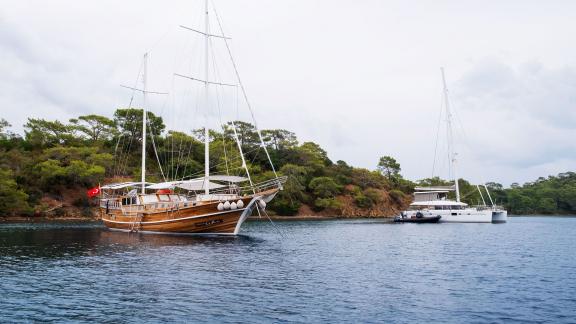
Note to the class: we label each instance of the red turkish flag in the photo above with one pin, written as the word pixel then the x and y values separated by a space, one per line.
pixel 93 192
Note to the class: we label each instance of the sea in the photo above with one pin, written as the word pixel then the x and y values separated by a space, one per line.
pixel 335 271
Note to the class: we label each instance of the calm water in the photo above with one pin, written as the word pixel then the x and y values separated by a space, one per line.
pixel 329 271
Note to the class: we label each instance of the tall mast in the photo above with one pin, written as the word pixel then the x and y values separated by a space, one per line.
pixel 144 117
pixel 451 153
pixel 206 132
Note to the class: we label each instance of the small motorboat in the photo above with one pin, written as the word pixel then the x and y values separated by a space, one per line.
pixel 419 218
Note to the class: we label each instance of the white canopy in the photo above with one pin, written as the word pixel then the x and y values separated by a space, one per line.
pixel 115 186
pixel 198 185
pixel 225 178
pixel 193 184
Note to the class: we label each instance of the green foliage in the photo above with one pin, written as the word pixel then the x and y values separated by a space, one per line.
pixel 13 200
pixel 4 125
pixel 279 139
pixel 129 122
pixel 362 201
pixel 389 167
pixel 42 133
pixel 368 179
pixel 331 204
pixel 397 196
pixel 55 155
pixel 324 187
pixel 374 195
pixel 96 128
pixel 552 195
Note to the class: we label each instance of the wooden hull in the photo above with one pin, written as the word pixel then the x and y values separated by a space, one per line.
pixel 224 223
pixel 201 218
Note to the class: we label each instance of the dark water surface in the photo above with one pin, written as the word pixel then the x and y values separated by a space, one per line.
pixel 329 271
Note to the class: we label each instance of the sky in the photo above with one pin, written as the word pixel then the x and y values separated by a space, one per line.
pixel 360 78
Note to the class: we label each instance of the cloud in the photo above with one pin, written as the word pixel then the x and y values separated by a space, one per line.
pixel 521 116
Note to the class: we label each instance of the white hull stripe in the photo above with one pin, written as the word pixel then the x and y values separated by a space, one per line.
pixel 174 220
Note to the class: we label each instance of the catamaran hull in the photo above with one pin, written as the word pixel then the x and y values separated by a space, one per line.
pixel 499 216
pixel 484 216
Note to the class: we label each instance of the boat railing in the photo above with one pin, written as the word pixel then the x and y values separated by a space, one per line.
pixel 256 187
pixel 111 203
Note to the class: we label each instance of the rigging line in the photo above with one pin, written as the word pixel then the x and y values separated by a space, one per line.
pixel 202 171
pixel 171 99
pixel 282 236
pixel 154 146
pixel 219 107
pixel 223 130
pixel 129 106
pixel 187 160
pixel 179 157
pixel 203 33
pixel 437 135
pixel 204 81
pixel 244 91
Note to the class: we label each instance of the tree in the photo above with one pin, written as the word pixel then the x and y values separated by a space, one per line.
pixel 130 122
pixel 95 127
pixel 3 126
pixel 13 200
pixel 279 139
pixel 247 135
pixel 389 167
pixel 43 133
pixel 324 187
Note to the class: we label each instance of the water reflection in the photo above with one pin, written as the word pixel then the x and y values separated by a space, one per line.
pixel 67 239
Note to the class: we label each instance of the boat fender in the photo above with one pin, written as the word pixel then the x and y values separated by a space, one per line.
pixel 220 206
pixel 419 215
pixel 233 206
pixel 240 204
pixel 262 203
pixel 227 205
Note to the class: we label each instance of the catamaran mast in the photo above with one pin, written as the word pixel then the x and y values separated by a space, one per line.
pixel 144 117
pixel 451 153
pixel 206 132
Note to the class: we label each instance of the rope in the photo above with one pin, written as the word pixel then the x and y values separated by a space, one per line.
pixel 244 91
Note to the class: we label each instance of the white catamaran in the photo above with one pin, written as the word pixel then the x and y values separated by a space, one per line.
pixel 434 201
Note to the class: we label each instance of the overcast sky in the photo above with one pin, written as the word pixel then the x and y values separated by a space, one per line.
pixel 361 78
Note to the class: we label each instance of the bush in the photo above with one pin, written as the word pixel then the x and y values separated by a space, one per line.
pixel 328 203
pixel 363 201
pixel 285 206
pixel 374 195
pixel 397 196
pixel 324 187
pixel 13 200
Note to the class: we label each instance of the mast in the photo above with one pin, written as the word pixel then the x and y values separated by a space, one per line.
pixel 206 132
pixel 451 153
pixel 144 117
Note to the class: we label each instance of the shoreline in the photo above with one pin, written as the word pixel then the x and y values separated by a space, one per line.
pixel 34 219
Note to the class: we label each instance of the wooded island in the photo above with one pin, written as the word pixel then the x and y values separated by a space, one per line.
pixel 46 171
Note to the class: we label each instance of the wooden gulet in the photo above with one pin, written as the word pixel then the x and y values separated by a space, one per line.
pixel 212 204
